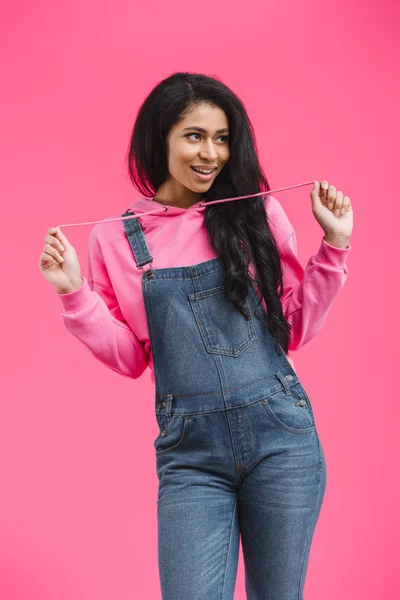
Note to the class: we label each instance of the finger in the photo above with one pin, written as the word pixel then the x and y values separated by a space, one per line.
pixel 56 231
pixel 315 192
pixel 331 196
pixel 46 260
pixel 53 241
pixel 347 203
pixel 346 206
pixel 339 202
pixel 53 252
pixel 323 189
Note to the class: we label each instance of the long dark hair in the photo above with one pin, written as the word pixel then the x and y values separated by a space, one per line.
pixel 239 230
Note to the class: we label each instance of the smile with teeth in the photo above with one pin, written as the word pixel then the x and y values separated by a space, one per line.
pixel 203 171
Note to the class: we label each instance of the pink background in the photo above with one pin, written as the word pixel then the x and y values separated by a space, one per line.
pixel 320 83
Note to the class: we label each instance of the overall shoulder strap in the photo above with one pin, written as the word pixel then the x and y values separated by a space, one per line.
pixel 137 240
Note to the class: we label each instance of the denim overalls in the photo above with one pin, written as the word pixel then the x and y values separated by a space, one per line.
pixel 238 453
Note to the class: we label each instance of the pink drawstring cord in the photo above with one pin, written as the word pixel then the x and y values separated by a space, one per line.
pixel 200 205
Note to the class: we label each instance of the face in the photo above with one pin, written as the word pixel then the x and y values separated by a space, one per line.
pixel 200 139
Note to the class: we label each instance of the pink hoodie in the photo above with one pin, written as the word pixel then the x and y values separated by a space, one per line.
pixel 107 312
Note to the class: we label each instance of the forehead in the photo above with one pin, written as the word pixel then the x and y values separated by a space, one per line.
pixel 205 115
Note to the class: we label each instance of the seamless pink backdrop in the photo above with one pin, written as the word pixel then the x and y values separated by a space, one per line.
pixel 78 500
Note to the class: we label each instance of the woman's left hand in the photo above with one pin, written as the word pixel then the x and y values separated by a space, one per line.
pixel 333 211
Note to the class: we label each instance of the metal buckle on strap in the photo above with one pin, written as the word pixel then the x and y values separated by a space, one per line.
pixel 149 272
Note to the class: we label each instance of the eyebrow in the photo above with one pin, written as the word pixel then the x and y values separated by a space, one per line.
pixel 205 131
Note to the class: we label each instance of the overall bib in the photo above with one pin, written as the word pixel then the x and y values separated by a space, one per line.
pixel 238 453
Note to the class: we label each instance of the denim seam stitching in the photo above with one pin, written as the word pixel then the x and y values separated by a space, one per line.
pixel 172 277
pixel 308 538
pixel 201 320
pixel 178 443
pixel 248 438
pixel 304 431
pixel 229 549
pixel 216 410
pixel 275 389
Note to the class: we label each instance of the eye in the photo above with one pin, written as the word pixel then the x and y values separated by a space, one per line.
pixel 189 134
pixel 224 137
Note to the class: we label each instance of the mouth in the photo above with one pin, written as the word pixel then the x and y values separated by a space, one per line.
pixel 204 174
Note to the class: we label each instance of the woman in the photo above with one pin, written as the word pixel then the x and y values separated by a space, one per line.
pixel 212 299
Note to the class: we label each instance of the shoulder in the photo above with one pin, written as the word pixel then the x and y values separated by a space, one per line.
pixel 111 229
pixel 279 222
pixel 108 231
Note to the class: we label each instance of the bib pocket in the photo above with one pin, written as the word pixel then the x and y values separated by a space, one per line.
pixel 292 412
pixel 223 329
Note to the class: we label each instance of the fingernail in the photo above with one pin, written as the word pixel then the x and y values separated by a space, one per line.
pixel 337 211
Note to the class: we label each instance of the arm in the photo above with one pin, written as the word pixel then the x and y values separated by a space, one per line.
pixel 92 314
pixel 309 293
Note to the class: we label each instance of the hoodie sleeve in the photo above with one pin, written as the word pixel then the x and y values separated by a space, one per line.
pixel 92 314
pixel 310 292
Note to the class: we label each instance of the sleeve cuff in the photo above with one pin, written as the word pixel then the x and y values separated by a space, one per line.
pixel 78 299
pixel 332 255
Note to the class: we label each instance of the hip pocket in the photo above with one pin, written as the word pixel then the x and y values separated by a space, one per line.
pixel 292 412
pixel 173 432
pixel 223 329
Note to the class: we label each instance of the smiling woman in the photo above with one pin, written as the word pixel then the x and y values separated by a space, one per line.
pixel 205 168
pixel 204 151
pixel 174 289
pixel 204 125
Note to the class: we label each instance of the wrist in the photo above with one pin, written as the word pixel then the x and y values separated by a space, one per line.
pixel 72 287
pixel 339 241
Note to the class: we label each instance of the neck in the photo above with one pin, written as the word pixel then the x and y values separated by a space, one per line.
pixel 173 193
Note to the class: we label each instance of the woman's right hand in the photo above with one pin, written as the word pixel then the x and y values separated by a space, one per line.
pixel 59 262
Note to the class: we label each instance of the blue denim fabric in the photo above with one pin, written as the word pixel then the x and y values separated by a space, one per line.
pixel 238 454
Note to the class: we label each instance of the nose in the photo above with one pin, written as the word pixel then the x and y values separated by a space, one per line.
pixel 208 150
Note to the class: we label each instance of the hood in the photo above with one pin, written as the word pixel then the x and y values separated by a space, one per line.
pixel 146 204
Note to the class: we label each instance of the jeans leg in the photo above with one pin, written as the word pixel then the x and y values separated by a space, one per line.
pixel 280 502
pixel 198 541
pixel 198 521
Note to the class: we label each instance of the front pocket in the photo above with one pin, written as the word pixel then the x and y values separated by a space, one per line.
pixel 291 412
pixel 223 329
pixel 173 432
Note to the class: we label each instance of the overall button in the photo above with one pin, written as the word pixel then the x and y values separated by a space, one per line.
pixel 163 433
pixel 289 377
pixel 149 274
pixel 302 402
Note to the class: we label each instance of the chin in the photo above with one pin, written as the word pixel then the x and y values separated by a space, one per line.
pixel 200 188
